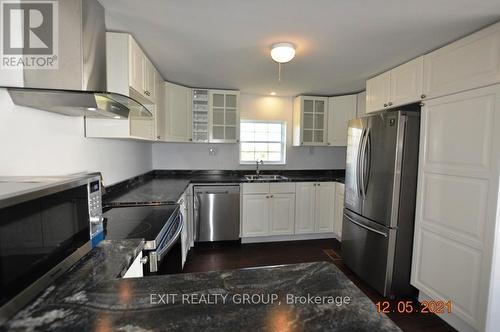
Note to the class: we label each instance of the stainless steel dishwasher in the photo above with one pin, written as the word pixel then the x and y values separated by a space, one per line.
pixel 216 213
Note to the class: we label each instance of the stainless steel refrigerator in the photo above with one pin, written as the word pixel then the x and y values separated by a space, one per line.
pixel 379 207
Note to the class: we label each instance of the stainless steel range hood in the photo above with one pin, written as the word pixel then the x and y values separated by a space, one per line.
pixel 78 85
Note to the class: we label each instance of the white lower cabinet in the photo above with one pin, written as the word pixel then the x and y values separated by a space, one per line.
pixel 314 207
pixel 282 214
pixel 325 198
pixel 303 210
pixel 304 207
pixel 255 221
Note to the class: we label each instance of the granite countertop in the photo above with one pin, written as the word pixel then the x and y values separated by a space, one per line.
pixel 91 296
pixel 166 187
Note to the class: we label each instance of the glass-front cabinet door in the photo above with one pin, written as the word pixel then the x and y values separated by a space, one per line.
pixel 314 121
pixel 224 116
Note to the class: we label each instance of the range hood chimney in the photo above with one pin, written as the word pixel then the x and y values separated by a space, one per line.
pixel 77 85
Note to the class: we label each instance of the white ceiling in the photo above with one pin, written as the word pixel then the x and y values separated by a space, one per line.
pixel 340 43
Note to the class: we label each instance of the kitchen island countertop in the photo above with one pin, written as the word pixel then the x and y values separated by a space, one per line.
pixel 92 296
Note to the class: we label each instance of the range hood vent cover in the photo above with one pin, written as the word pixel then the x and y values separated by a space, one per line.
pixel 80 103
pixel 77 87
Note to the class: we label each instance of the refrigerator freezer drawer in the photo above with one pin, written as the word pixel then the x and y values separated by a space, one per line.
pixel 366 249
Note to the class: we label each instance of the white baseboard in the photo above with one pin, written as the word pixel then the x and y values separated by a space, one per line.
pixel 297 237
pixel 451 318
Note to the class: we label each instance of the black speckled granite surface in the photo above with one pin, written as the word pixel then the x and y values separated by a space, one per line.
pixel 166 187
pixel 90 297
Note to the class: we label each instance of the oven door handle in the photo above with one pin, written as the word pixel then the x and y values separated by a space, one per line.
pixel 163 251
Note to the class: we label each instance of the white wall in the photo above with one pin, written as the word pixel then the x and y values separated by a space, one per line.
pixel 35 142
pixel 253 107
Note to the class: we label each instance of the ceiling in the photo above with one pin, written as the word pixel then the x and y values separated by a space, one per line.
pixel 340 43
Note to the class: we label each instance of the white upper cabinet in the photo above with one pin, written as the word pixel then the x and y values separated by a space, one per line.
pixel 224 116
pixel 310 120
pixel 361 104
pixel 406 82
pixel 149 77
pixel 135 61
pixel 129 71
pixel 160 116
pixel 399 86
pixel 468 63
pixel 178 113
pixel 378 90
pixel 340 110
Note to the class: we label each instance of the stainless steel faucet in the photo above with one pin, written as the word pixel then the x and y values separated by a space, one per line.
pixel 257 162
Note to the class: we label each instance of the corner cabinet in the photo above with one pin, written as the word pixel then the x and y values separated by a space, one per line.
pixel 223 116
pixel 399 86
pixel 341 109
pixel 310 121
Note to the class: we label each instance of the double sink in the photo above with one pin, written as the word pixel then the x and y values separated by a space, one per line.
pixel 264 177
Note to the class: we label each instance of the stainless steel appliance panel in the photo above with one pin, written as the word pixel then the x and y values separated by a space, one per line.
pixel 367 248
pixel 217 213
pixel 355 133
pixel 380 166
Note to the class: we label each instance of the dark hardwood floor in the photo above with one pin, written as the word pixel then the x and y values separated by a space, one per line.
pixel 224 256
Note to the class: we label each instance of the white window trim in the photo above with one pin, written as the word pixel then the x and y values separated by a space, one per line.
pixel 283 143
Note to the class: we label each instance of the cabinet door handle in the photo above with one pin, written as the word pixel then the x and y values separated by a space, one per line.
pixel 390 103
pixel 385 104
pixel 319 184
pixel 272 196
pixel 423 96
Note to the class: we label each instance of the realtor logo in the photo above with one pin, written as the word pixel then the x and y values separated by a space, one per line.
pixel 29 36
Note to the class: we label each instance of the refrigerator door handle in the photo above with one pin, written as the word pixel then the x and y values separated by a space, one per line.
pixel 362 162
pixel 359 165
pixel 365 227
pixel 367 161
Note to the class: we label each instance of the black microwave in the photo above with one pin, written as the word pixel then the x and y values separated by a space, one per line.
pixel 46 225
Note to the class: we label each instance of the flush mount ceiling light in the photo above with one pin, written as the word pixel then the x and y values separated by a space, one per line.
pixel 282 53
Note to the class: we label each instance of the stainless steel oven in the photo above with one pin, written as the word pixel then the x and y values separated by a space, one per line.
pixel 46 225
pixel 160 225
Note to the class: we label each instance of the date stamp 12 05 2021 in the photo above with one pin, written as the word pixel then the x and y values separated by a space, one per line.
pixel 407 307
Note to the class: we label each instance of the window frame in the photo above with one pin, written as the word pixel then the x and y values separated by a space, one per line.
pixel 283 142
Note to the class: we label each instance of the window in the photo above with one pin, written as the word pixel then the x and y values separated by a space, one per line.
pixel 262 140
